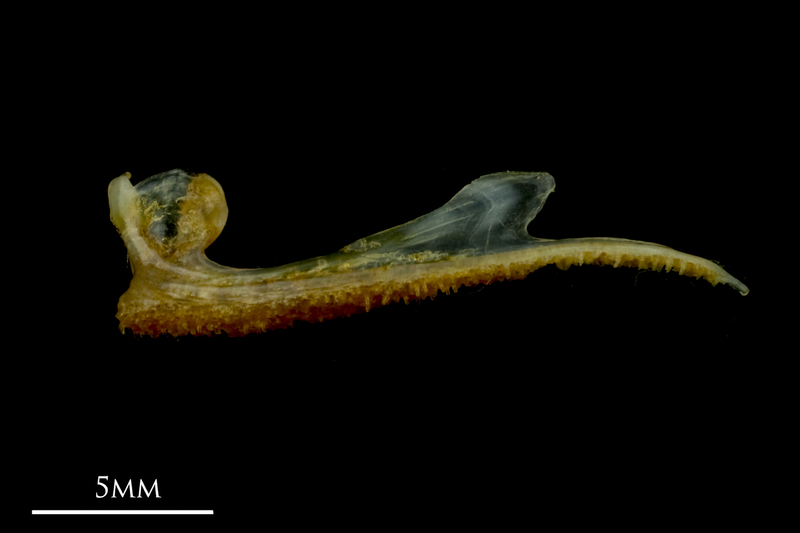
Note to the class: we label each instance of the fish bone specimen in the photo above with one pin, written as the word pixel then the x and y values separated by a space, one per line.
pixel 480 236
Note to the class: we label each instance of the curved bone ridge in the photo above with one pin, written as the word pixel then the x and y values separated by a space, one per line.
pixel 479 236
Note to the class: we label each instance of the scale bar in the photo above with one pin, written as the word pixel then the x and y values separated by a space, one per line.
pixel 122 512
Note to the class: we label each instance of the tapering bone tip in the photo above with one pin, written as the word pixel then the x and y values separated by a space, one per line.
pixel 479 236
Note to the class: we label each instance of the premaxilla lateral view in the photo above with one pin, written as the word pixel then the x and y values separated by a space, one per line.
pixel 480 236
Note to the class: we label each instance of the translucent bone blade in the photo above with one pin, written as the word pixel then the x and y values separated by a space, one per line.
pixel 479 236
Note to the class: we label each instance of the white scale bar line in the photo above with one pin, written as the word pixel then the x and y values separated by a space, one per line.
pixel 122 512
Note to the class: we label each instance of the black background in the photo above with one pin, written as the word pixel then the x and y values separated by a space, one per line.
pixel 579 394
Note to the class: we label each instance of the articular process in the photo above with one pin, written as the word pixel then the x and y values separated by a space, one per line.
pixel 479 236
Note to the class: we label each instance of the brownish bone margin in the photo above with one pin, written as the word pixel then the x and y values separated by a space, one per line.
pixel 237 319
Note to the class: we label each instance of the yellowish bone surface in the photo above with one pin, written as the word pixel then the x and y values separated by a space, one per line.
pixel 168 220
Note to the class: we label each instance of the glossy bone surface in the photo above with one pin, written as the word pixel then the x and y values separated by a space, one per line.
pixel 479 236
